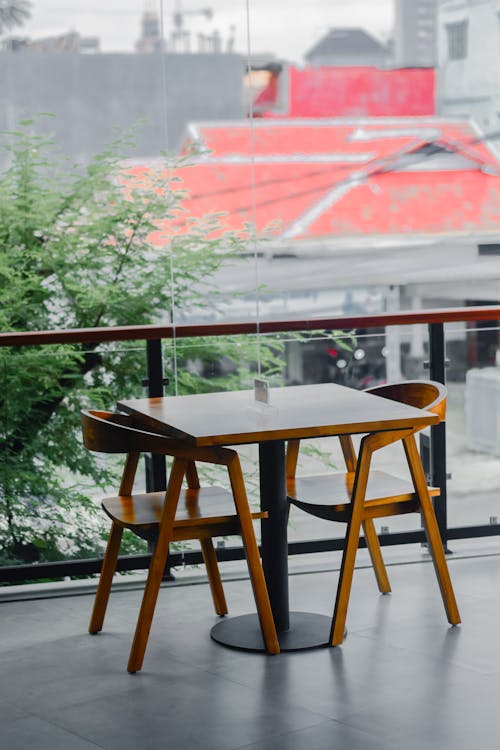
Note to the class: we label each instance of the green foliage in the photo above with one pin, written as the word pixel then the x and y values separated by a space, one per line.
pixel 75 252
pixel 13 13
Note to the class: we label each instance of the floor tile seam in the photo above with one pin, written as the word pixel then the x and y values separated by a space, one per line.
pixel 62 728
pixel 463 668
pixel 19 656
pixel 275 735
pixel 82 634
pixel 183 660
pixel 227 678
pixel 297 703
pixel 206 671
pixel 471 597
pixel 394 736
pixel 457 665
pixel 23 666
pixel 394 740
pixel 25 713
pixel 251 688
pixel 118 693
pixel 418 652
pixel 382 642
pixel 317 719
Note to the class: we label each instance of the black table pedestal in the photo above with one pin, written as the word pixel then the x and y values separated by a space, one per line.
pixel 307 630
pixel 296 630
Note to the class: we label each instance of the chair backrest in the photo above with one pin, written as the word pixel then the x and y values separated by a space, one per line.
pixel 107 432
pixel 422 394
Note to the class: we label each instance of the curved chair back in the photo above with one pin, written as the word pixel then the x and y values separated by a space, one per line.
pixel 107 432
pixel 422 394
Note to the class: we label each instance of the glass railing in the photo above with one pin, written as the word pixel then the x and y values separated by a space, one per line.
pixel 473 438
pixel 50 489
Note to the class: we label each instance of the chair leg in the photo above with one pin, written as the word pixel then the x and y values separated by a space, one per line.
pixel 373 545
pixel 106 579
pixel 213 573
pixel 350 548
pixel 253 559
pixel 156 567
pixel 432 531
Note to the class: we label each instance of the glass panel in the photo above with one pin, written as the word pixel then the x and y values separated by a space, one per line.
pixel 111 234
pixel 50 485
pixel 261 168
pixel 473 442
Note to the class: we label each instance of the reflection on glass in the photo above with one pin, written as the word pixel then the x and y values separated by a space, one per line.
pixel 295 160
pixel 473 439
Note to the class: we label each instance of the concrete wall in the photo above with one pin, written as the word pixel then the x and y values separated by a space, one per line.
pixel 92 95
pixel 415 33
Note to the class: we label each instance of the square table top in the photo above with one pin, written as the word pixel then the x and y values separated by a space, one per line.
pixel 235 418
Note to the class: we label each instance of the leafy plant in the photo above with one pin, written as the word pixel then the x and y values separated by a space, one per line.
pixel 13 13
pixel 76 252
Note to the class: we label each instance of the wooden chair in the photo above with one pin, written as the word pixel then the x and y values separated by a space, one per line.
pixel 173 515
pixel 357 496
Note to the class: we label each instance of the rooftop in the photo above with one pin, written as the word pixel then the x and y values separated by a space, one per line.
pixel 347 91
pixel 347 42
pixel 309 179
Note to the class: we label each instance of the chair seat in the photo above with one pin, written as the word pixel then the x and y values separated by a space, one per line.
pixel 142 512
pixel 327 495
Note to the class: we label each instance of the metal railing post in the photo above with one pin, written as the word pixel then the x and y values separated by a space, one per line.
pixel 437 371
pixel 156 468
pixel 156 473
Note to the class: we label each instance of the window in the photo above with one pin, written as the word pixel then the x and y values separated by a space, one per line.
pixel 457 40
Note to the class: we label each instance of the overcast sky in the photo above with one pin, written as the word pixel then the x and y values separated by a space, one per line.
pixel 288 28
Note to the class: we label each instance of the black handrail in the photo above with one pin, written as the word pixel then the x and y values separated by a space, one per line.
pixel 345 323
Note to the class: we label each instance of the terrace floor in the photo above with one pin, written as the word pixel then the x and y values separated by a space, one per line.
pixel 402 679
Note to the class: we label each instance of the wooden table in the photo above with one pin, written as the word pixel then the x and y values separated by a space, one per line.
pixel 234 418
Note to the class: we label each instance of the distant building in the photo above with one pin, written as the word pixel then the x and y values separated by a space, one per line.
pixel 70 41
pixel 469 59
pixel 344 92
pixel 415 33
pixel 93 96
pixel 180 38
pixel 151 39
pixel 348 46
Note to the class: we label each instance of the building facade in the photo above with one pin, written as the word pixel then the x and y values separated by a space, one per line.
pixel 332 91
pixel 468 83
pixel 95 96
pixel 415 42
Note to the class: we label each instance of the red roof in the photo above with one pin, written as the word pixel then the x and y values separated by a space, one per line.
pixel 388 204
pixel 349 92
pixel 324 178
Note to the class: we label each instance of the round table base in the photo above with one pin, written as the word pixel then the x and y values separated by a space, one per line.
pixel 307 630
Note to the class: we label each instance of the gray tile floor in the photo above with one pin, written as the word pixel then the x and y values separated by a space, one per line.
pixel 402 679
